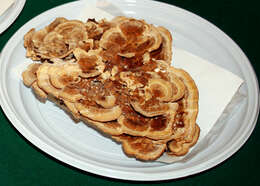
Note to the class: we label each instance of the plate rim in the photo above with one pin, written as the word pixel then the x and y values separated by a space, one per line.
pixel 17 9
pixel 120 174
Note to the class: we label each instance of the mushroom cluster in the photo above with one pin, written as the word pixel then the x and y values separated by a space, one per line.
pixel 116 76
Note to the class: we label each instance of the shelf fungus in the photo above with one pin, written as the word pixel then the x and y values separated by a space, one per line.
pixel 116 77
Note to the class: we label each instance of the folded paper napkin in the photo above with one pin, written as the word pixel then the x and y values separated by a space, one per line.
pixel 211 80
pixel 5 4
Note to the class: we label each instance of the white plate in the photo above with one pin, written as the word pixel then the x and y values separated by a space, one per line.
pixel 51 130
pixel 9 16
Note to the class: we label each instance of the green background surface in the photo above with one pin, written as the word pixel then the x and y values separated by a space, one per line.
pixel 21 163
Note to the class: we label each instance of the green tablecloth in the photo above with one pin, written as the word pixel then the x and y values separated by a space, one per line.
pixel 23 164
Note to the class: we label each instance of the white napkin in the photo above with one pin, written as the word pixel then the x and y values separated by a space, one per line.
pixel 98 9
pixel 216 86
pixel 93 12
pixel 5 4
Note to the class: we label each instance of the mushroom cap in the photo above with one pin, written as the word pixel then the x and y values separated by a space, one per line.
pixel 130 36
pixel 99 114
pixel 29 75
pixel 140 147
